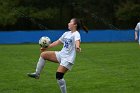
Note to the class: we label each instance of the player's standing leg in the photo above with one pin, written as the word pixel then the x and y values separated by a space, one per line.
pixel 60 80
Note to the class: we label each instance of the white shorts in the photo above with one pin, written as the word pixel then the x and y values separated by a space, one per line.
pixel 63 61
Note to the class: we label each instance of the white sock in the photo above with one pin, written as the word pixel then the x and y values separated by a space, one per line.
pixel 40 65
pixel 62 85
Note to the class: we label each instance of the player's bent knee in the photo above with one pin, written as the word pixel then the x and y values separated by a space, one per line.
pixel 59 75
pixel 43 55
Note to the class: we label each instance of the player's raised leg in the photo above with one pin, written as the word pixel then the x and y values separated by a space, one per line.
pixel 47 55
pixel 39 67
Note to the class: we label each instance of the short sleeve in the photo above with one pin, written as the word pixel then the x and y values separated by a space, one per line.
pixel 77 36
pixel 137 28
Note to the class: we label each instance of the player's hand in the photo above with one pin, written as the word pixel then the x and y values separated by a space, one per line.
pixel 78 49
pixel 42 49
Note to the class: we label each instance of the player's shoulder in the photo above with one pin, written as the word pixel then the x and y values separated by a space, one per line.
pixel 77 33
pixel 65 33
pixel 69 33
pixel 138 23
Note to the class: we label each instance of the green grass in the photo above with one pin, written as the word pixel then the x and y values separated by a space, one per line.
pixel 99 68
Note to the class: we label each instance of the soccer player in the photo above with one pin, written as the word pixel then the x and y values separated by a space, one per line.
pixel 137 31
pixel 66 57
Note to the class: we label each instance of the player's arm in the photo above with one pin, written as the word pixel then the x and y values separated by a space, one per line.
pixel 58 42
pixel 136 35
pixel 136 31
pixel 77 43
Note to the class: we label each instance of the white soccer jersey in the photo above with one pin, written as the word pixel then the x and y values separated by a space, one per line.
pixel 68 51
pixel 137 28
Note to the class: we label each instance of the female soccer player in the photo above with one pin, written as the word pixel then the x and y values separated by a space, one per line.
pixel 71 43
pixel 137 30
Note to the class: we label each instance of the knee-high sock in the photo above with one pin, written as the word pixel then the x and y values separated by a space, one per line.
pixel 62 85
pixel 40 65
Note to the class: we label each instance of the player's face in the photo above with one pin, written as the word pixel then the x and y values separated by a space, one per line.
pixel 72 25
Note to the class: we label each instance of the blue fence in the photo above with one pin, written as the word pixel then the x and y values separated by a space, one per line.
pixel 16 37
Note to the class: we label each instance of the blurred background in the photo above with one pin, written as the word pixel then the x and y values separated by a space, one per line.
pixel 109 61
pixel 55 14
pixel 107 20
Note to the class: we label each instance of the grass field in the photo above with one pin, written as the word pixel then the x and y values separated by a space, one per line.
pixel 99 68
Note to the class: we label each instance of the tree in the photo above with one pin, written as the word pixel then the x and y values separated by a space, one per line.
pixel 55 14
pixel 128 13
pixel 7 16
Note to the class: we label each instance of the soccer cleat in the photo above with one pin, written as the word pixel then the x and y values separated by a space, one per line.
pixel 33 75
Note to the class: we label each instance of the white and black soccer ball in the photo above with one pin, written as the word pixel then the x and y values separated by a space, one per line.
pixel 44 41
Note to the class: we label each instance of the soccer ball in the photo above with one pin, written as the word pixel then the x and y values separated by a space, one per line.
pixel 44 41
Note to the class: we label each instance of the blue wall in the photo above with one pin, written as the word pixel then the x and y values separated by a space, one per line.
pixel 108 36
pixel 93 36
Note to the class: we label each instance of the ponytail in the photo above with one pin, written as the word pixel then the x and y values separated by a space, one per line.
pixel 83 26
pixel 80 24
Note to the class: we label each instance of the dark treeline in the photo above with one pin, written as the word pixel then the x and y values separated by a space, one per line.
pixel 55 14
